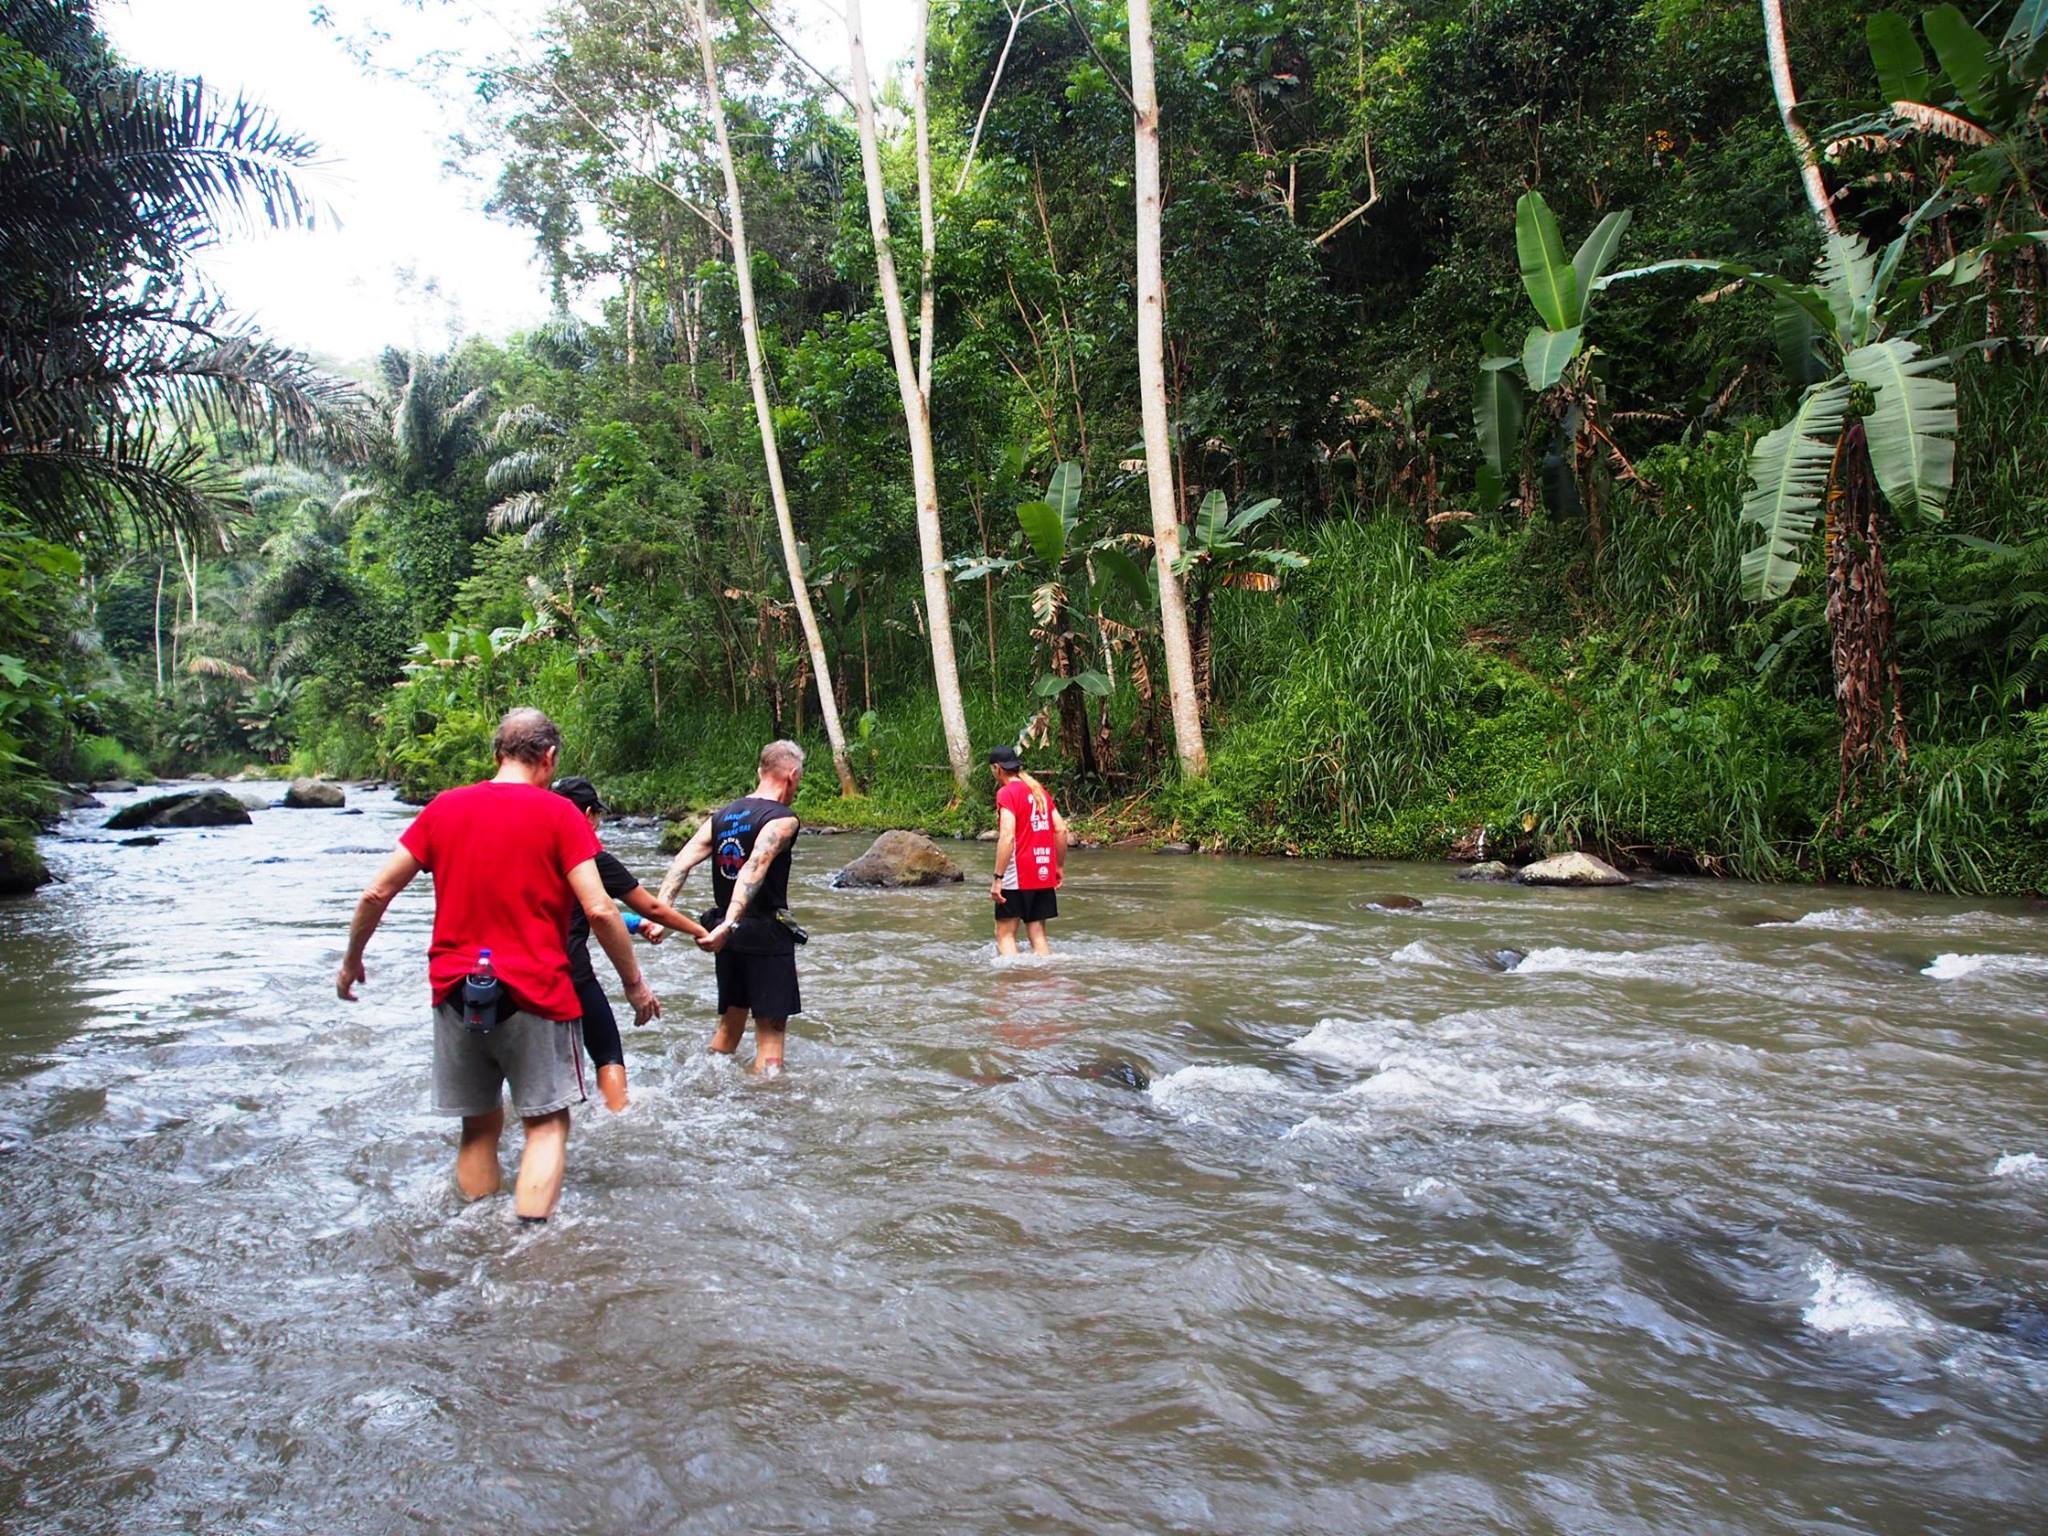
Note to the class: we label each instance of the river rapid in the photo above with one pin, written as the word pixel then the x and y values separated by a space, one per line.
pixel 1719 1209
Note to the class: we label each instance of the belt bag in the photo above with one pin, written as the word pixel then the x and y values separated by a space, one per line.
pixel 483 1004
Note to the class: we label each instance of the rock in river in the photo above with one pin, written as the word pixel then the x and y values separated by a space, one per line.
pixel 1492 869
pixel 1394 904
pixel 186 808
pixel 313 795
pixel 898 859
pixel 1571 869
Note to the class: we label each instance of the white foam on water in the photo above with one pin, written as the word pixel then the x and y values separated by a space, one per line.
pixel 1847 1303
pixel 1583 1115
pixel 1351 1042
pixel 1837 919
pixel 2021 1165
pixel 1952 967
pixel 1622 963
pixel 1416 952
pixel 1199 1095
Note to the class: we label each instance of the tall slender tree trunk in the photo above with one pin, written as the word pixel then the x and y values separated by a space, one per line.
pixel 916 415
pixel 159 629
pixel 1788 104
pixel 927 231
pixel 757 376
pixel 1173 618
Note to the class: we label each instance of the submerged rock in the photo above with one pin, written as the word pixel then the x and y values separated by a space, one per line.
pixel 141 842
pixel 899 859
pixel 1492 869
pixel 1571 869
pixel 1394 904
pixel 185 808
pixel 114 786
pixel 314 795
pixel 1175 848
pixel 1503 959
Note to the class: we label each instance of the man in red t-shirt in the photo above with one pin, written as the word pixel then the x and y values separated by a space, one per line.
pixel 1031 845
pixel 511 862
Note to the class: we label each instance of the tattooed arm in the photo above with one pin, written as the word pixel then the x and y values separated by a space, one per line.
pixel 773 839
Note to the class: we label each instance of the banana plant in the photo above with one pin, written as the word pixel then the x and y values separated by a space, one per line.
pixel 1220 553
pixel 1851 336
pixel 1074 581
pixel 1554 364
pixel 1978 102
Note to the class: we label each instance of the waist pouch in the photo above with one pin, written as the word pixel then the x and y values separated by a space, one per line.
pixel 484 1004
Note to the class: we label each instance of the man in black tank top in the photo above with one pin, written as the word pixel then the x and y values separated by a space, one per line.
pixel 749 843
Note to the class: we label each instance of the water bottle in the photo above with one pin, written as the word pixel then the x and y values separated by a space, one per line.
pixel 481 994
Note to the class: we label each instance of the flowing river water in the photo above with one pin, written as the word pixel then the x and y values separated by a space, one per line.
pixel 1720 1210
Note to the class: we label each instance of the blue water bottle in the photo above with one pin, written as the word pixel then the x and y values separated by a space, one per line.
pixel 481 994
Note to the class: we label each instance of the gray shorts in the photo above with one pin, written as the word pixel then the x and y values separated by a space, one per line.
pixel 541 1058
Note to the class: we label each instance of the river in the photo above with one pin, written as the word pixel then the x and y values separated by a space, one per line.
pixel 1721 1210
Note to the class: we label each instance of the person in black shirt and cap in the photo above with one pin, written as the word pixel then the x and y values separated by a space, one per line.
pixel 600 1027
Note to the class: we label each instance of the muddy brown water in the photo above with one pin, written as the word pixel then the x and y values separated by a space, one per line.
pixel 1721 1210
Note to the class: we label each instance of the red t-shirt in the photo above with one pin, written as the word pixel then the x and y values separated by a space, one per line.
pixel 1035 865
pixel 500 856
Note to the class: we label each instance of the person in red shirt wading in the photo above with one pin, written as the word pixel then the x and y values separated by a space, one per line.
pixel 511 861
pixel 1031 845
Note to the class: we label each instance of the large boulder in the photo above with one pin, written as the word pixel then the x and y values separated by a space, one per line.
pixel 1570 869
pixel 186 808
pixel 899 859
pixel 314 795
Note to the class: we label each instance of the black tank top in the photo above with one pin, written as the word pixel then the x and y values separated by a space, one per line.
pixel 734 830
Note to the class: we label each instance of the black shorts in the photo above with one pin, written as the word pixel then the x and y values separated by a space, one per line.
pixel 600 1025
pixel 1031 906
pixel 764 985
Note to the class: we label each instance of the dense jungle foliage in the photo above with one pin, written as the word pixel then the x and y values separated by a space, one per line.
pixel 1443 583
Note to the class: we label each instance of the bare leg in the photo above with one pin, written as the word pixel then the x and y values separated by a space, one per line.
pixel 476 1160
pixel 539 1189
pixel 1006 935
pixel 731 1025
pixel 611 1083
pixel 1040 945
pixel 768 1035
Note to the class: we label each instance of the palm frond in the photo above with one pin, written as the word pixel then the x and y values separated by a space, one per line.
pixel 526 469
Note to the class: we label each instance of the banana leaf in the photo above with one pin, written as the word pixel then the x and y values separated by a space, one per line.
pixel 1497 413
pixel 1552 285
pixel 1790 470
pixel 1912 425
pixel 1546 355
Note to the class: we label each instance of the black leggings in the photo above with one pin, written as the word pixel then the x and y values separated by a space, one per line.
pixel 600 1025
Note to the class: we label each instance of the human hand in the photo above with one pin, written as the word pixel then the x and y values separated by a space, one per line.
pixel 653 933
pixel 995 890
pixel 346 978
pixel 712 942
pixel 646 1005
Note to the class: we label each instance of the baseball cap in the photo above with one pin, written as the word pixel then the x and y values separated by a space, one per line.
pixel 579 792
pixel 1006 757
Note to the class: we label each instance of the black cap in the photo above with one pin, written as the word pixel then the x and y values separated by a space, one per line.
pixel 579 792
pixel 1006 757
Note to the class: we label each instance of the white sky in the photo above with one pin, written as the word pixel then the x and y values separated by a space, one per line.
pixel 414 261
